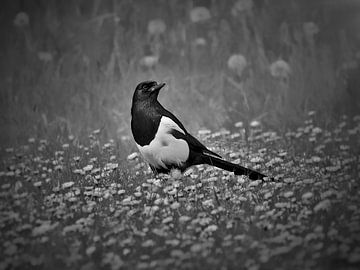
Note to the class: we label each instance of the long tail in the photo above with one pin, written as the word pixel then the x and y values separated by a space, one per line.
pixel 231 167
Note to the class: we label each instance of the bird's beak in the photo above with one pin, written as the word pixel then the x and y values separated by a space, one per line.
pixel 157 87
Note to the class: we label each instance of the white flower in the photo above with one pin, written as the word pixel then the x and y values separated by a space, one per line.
pixel 280 69
pixel 310 29
pixel 311 113
pixel 307 196
pixel 111 166
pixel 45 227
pixel 21 19
pixel 237 63
pixel 206 131
pixel 132 156
pixel 156 27
pixel 175 174
pixel 113 260
pixel 88 168
pixel 90 250
pixel 199 14
pixel 316 130
pixel 167 220
pixel 315 159
pixel 211 228
pixel 67 184
pixel 149 61
pixel 254 123
pixel 241 5
pixel 65 146
pixel 45 56
pixel 175 205
pixel 255 183
pixel 200 41
pixel 323 205
pixel 184 219
pixel 256 160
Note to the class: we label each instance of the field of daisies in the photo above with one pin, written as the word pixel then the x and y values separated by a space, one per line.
pixel 73 198
pixel 81 205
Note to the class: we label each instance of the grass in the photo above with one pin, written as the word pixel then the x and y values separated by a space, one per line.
pixel 71 68
pixel 72 198
pixel 82 205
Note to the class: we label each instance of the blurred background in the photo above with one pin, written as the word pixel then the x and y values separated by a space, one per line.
pixel 69 67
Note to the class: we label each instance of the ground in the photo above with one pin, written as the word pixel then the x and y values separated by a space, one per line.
pixel 87 206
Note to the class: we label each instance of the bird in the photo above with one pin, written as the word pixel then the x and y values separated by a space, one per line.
pixel 164 142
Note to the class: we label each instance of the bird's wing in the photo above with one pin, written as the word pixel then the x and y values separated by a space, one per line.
pixel 193 143
pixel 165 112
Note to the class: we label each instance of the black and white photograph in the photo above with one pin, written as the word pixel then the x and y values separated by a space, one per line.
pixel 180 134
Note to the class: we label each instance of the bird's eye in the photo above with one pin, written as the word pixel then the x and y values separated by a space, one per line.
pixel 148 87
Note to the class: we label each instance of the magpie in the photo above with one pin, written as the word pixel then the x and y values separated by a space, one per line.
pixel 163 140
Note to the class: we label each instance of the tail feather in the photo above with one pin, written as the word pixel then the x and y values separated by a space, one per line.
pixel 231 167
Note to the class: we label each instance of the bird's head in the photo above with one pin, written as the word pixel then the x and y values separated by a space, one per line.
pixel 147 90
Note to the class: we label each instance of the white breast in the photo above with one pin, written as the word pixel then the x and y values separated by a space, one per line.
pixel 165 148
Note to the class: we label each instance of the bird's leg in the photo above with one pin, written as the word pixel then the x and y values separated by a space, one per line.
pixel 156 174
pixel 153 169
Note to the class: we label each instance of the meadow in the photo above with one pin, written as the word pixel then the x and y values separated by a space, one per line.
pixel 272 86
pixel 82 206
